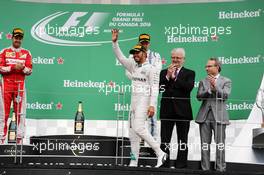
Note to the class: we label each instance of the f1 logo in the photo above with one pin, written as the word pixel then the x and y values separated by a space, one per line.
pixel 93 23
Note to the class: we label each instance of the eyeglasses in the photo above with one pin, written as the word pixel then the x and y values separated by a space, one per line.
pixel 178 58
pixel 209 66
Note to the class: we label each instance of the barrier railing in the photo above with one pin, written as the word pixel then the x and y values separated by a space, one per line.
pixel 237 134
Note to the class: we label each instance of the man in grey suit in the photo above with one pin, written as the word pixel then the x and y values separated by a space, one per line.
pixel 212 117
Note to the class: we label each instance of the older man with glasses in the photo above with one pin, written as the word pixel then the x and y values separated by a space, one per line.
pixel 212 117
pixel 176 83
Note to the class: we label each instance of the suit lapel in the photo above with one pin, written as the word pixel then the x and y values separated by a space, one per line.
pixel 219 81
pixel 207 83
pixel 181 72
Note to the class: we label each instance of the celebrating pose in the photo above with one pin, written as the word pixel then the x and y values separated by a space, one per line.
pixel 145 89
pixel 154 59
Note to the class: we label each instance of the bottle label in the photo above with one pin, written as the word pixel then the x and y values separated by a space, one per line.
pixel 12 135
pixel 79 126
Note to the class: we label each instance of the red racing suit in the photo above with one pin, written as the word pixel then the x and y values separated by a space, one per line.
pixel 12 84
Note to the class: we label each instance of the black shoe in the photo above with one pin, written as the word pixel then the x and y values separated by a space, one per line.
pixel 166 164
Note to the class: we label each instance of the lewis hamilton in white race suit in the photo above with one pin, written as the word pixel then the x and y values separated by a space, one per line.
pixel 145 90
pixel 155 60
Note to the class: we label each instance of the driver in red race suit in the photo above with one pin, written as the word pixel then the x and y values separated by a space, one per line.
pixel 15 64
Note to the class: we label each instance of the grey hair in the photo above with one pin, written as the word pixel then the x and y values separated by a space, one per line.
pixel 217 63
pixel 179 50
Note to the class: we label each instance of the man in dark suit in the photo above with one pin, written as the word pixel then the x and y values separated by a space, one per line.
pixel 176 84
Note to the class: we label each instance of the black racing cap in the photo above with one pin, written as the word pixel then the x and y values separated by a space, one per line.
pixel 144 37
pixel 138 48
pixel 18 32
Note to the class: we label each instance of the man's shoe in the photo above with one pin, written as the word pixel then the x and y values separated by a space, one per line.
pixel 161 159
pixel 166 164
pixel 2 140
pixel 133 163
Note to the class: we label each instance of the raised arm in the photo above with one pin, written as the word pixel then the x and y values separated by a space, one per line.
pixel 127 63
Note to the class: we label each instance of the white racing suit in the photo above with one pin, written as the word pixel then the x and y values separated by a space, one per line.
pixel 154 59
pixel 145 89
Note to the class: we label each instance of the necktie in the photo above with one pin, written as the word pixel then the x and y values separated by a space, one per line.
pixel 176 74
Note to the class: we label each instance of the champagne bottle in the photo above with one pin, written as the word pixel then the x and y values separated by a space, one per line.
pixel 79 120
pixel 12 130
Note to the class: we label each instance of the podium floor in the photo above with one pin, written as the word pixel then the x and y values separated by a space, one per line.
pixel 118 170
pixel 98 161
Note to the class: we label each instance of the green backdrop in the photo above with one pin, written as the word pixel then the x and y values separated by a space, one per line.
pixel 231 31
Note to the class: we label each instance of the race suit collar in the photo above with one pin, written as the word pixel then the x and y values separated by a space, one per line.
pixel 16 49
pixel 143 64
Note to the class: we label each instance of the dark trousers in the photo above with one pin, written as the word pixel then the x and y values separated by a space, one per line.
pixel 182 133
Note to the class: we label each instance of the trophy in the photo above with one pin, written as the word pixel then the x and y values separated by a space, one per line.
pixel 258 133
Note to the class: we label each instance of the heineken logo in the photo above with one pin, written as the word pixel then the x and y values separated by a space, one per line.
pixel 40 106
pixel 45 106
pixel 241 59
pixel 122 107
pixel 83 84
pixel 74 29
pixel 239 106
pixel 45 60
pixel 239 14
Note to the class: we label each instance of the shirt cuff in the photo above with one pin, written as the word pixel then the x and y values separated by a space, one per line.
pixel 6 69
pixel 114 44
pixel 209 91
pixel 27 70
